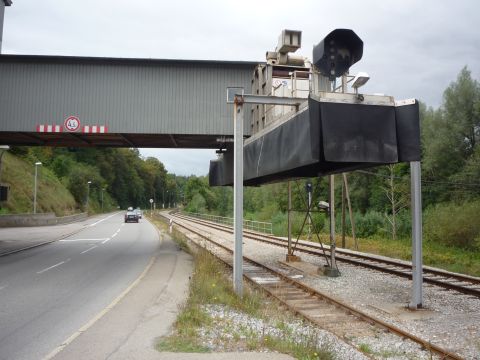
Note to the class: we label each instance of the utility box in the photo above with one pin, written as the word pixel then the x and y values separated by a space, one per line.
pixel 289 41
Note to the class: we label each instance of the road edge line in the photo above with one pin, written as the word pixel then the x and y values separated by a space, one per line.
pixel 101 314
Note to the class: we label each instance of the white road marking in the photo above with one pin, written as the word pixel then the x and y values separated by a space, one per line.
pixel 91 248
pixel 99 221
pixel 110 238
pixel 101 314
pixel 53 266
pixel 67 240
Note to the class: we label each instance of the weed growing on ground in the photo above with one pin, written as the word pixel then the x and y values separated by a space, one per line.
pixel 211 285
pixel 177 236
pixel 365 348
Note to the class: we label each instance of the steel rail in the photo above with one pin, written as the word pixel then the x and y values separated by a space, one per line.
pixel 404 272
pixel 445 354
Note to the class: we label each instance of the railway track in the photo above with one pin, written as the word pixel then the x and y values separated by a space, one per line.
pixel 283 284
pixel 452 281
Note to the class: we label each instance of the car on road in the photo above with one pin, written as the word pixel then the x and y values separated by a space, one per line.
pixel 138 212
pixel 131 216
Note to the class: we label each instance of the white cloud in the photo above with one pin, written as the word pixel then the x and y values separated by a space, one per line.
pixel 183 161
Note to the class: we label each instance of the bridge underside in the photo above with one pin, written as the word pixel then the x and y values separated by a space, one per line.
pixel 112 140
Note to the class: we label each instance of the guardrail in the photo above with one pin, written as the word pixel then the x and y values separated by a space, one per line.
pixel 259 226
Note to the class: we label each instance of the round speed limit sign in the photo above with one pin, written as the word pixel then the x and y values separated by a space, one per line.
pixel 72 123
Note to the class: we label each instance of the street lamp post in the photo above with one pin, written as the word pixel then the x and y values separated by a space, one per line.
pixel 88 194
pixel 37 164
pixel 103 189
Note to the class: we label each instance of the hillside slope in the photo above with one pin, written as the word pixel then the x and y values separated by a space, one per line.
pixel 52 195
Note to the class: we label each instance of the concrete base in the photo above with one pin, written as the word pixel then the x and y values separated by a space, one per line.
pixel 305 267
pixel 414 307
pixel 330 272
pixel 292 258
pixel 402 311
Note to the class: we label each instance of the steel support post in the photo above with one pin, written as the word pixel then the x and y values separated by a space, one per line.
pixel 332 221
pixel 416 198
pixel 343 214
pixel 290 257
pixel 289 219
pixel 332 270
pixel 350 212
pixel 35 191
pixel 88 195
pixel 238 198
pixel 238 118
pixel 309 236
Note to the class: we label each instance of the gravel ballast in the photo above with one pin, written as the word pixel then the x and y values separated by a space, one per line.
pixel 448 319
pixel 232 327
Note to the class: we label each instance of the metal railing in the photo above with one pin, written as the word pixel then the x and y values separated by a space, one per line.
pixel 259 226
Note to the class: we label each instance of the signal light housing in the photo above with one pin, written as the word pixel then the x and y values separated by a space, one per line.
pixel 337 52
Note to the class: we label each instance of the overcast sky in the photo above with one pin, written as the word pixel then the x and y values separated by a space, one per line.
pixel 411 48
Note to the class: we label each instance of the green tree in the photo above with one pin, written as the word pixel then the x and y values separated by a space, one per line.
pixel 450 138
pixel 462 110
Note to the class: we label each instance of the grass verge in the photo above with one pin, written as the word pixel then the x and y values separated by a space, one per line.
pixel 197 329
pixel 434 254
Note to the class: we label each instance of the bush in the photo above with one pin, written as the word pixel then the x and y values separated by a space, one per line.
pixel 370 224
pixel 279 224
pixel 404 224
pixel 454 224
pixel 197 204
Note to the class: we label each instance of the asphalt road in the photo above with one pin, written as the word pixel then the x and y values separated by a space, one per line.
pixel 47 293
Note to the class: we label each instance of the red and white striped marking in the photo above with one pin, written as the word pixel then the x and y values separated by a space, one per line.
pixel 49 128
pixel 90 129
